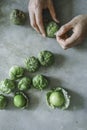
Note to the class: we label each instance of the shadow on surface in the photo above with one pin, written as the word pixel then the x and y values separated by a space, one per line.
pixel 58 63
pixel 77 101
pixel 34 101
pixel 2 16
pixel 10 105
pixel 82 46
pixel 64 9
pixel 27 23
pixel 59 60
pixel 54 82
pixel 32 104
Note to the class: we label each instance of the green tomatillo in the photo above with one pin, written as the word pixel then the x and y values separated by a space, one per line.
pixel 40 82
pixel 7 86
pixel 17 17
pixel 24 83
pixel 3 101
pixel 16 72
pixel 51 29
pixel 32 64
pixel 20 100
pixel 58 98
pixel 46 58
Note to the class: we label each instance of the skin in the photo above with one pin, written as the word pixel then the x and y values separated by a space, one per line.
pixel 78 24
pixel 79 27
pixel 56 99
pixel 35 13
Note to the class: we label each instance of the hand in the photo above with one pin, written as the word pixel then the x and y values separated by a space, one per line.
pixel 35 12
pixel 79 27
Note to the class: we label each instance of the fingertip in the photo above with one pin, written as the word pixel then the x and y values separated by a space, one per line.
pixel 58 38
pixel 65 48
pixel 44 35
pixel 58 34
pixel 56 20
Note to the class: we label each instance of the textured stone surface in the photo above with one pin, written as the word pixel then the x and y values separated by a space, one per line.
pixel 69 70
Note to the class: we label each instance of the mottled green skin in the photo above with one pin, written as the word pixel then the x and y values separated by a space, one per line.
pixel 7 86
pixel 17 17
pixel 16 72
pixel 3 101
pixel 32 64
pixel 20 100
pixel 58 97
pixel 24 83
pixel 46 58
pixel 51 29
pixel 40 82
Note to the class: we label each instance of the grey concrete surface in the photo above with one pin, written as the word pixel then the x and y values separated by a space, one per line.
pixel 69 70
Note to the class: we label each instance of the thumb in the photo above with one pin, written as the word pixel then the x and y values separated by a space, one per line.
pixel 64 29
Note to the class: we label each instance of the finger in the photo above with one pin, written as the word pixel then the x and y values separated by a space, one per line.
pixel 64 29
pixel 61 42
pixel 39 21
pixel 52 11
pixel 33 21
pixel 72 39
pixel 69 42
pixel 77 41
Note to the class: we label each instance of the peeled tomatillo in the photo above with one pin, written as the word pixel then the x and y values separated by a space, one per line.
pixel 56 99
pixel 20 100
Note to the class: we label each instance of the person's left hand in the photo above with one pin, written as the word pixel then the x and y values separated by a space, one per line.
pixel 79 27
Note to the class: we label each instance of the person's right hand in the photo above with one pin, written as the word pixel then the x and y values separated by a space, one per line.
pixel 79 27
pixel 35 12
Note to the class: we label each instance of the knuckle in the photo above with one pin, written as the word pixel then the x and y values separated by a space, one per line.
pixel 31 7
pixel 37 5
pixel 64 28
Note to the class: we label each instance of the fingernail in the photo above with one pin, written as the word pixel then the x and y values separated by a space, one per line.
pixel 57 20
